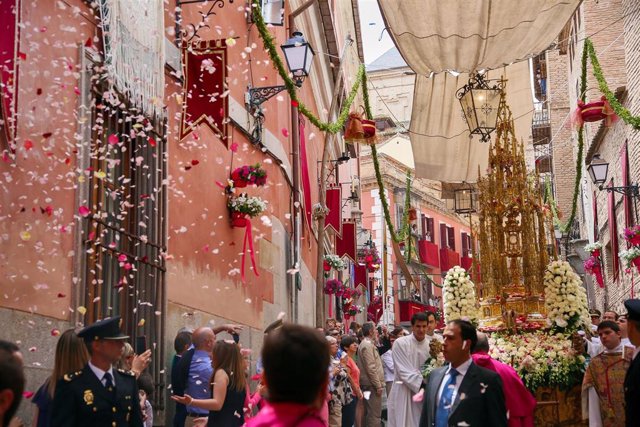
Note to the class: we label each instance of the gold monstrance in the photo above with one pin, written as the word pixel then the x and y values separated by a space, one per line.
pixel 511 232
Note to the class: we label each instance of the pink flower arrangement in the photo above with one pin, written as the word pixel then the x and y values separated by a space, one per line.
pixel 353 310
pixel 371 258
pixel 333 287
pixel 592 266
pixel 249 174
pixel 632 235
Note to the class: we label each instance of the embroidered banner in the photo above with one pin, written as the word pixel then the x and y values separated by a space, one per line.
pixel 346 244
pixel 334 204
pixel 205 93
pixel 9 49
pixel 360 275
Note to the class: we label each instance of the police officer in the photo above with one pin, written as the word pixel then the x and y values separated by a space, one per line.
pixel 99 395
pixel 632 379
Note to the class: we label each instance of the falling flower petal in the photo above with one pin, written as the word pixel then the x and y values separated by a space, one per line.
pixel 113 139
pixel 81 309
pixel 84 211
pixel 25 236
pixel 285 132
pixel 55 332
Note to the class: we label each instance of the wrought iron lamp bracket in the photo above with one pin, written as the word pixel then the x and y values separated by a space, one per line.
pixel 632 190
pixel 258 95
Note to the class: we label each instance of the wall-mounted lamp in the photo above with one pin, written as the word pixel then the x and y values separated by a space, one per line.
pixel 599 169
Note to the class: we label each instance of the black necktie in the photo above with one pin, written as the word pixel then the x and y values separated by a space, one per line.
pixel 108 382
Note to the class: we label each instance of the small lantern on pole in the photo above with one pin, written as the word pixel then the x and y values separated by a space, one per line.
pixel 464 199
pixel 480 101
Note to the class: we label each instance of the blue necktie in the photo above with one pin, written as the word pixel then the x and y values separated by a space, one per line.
pixel 445 402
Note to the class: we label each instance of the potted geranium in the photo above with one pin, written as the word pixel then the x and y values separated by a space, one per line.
pixel 243 206
pixel 631 256
pixel 632 235
pixel 594 248
pixel 248 174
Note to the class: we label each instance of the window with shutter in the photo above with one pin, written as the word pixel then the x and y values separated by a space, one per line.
pixel 465 244
pixel 443 236
pixel 423 225
pixel 431 231
pixel 451 237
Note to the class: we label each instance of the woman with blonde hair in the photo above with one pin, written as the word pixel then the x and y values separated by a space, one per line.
pixel 71 356
pixel 229 387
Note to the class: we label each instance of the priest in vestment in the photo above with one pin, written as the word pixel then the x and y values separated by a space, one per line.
pixel 603 384
pixel 409 354
pixel 519 401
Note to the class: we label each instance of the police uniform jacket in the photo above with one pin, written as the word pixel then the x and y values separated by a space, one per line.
pixel 632 393
pixel 82 400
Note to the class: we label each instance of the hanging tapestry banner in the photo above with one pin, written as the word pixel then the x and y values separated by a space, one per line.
pixel 9 45
pixel 334 205
pixel 346 244
pixel 133 37
pixel 205 93
pixel 360 275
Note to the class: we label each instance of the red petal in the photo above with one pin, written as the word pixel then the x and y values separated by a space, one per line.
pixel 113 139
pixel 46 134
pixel 152 142
pixel 89 42
pixel 84 211
pixel 28 144
pixel 22 55
pixel 61 295
pixel 195 162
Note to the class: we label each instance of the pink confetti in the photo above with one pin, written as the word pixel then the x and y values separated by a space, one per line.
pixel 84 211
pixel 285 132
pixel 195 162
pixel 152 142
pixel 55 332
pixel 234 147
pixel 113 139
pixel 122 258
pixel 28 144
pixel 27 394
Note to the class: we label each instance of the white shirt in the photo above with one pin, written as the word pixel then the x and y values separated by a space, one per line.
pixel 100 374
pixel 387 365
pixel 462 371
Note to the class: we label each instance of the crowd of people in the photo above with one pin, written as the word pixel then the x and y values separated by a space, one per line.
pixel 318 377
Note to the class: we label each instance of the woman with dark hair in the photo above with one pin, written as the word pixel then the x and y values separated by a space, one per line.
pixel 349 345
pixel 229 387
pixel 71 356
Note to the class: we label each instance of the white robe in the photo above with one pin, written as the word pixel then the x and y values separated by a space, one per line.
pixel 409 355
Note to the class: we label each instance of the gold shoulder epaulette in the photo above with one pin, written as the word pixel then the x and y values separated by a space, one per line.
pixel 70 377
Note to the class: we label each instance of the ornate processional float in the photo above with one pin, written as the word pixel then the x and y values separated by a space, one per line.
pixel 530 307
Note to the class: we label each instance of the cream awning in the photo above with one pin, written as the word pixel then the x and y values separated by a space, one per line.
pixel 465 36
pixel 440 140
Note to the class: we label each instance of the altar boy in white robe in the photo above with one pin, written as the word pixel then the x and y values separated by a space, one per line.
pixel 409 354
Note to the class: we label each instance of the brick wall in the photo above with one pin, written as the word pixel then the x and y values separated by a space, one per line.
pixel 612 26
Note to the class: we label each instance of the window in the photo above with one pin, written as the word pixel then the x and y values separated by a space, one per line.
pixel 443 236
pixel 124 233
pixel 451 238
pixel 399 215
pixel 431 231
pixel 466 244
pixel 427 228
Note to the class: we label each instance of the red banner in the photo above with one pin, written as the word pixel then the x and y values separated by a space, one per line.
pixel 346 244
pixel 304 175
pixel 613 232
pixel 428 253
pixel 9 50
pixel 205 92
pixel 448 259
pixel 334 204
pixel 360 275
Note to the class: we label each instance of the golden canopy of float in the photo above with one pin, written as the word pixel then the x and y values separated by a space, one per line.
pixel 514 232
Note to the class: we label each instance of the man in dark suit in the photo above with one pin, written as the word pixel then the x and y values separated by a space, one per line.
pixel 632 379
pixel 462 393
pixel 99 395
pixel 181 345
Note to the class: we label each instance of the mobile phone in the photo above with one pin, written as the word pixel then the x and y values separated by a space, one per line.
pixel 141 344
pixel 236 338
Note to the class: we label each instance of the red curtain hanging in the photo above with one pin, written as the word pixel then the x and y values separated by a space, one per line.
pixel 334 204
pixel 346 244
pixel 9 60
pixel 613 232
pixel 626 200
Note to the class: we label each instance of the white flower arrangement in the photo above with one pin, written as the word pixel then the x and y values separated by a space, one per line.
pixel 459 296
pixel 335 262
pixel 629 255
pixel 252 206
pixel 591 247
pixel 565 298
pixel 540 359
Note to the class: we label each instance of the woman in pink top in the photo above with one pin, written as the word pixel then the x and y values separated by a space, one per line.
pixel 296 362
pixel 349 345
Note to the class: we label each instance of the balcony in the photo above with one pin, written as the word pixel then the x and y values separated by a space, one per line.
pixel 428 252
pixel 541 124
pixel 466 262
pixel 448 259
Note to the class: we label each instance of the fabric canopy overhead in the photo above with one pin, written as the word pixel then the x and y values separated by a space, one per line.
pixel 442 149
pixel 465 36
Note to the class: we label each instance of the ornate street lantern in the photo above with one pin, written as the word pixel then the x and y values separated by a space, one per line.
pixel 299 55
pixel 464 200
pixel 598 170
pixel 480 101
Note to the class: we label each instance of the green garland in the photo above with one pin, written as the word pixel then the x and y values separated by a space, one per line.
pixel 622 112
pixel 361 82
pixel 269 45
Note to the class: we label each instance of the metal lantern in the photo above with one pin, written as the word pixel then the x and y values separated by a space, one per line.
pixel 598 170
pixel 480 101
pixel 464 200
pixel 299 55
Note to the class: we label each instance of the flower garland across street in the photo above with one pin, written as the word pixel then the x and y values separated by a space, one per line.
pixel 565 298
pixel 459 296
